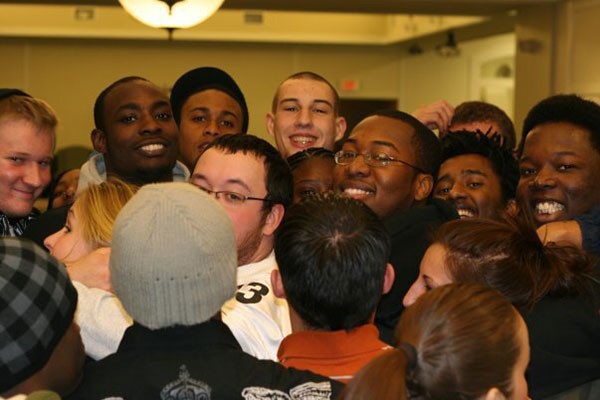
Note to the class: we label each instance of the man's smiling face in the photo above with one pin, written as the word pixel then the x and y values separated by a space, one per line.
pixel 384 189
pixel 469 183
pixel 139 141
pixel 560 171
pixel 304 117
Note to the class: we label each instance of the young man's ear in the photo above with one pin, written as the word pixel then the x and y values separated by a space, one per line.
pixel 388 278
pixel 494 394
pixel 270 122
pixel 277 284
pixel 99 140
pixel 340 128
pixel 273 219
pixel 423 186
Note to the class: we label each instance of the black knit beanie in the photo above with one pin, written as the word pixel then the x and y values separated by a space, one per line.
pixel 6 92
pixel 204 78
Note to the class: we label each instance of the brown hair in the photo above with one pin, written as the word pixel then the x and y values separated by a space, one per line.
pixel 383 378
pixel 36 111
pixel 466 342
pixel 508 256
pixel 308 75
pixel 479 111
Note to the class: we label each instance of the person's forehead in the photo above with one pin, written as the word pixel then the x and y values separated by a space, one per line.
pixel 468 162
pixel 378 128
pixel 213 99
pixel 305 88
pixel 219 166
pixel 562 133
pixel 134 92
pixel 22 135
pixel 315 166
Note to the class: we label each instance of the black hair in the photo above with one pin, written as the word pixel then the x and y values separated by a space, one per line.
pixel 479 111
pixel 279 181
pixel 564 108
pixel 505 166
pixel 332 251
pixel 99 104
pixel 426 145
pixel 297 159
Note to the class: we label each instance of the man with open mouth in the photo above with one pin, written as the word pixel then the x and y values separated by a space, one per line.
pixel 559 159
pixel 305 113
pixel 477 176
pixel 389 162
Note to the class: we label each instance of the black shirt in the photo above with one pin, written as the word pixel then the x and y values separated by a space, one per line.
pixel 202 360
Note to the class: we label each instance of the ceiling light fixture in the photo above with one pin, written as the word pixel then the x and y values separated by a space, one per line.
pixel 450 48
pixel 171 14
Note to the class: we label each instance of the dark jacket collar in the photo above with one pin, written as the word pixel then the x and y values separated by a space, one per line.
pixel 435 210
pixel 210 334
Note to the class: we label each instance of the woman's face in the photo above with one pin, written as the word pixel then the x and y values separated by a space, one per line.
pixel 68 244
pixel 64 192
pixel 313 176
pixel 433 273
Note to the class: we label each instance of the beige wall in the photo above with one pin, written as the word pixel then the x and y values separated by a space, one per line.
pixel 69 73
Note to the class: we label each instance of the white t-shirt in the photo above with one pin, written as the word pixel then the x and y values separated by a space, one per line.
pixel 258 320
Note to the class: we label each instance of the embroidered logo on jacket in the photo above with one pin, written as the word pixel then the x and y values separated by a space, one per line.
pixel 306 391
pixel 185 388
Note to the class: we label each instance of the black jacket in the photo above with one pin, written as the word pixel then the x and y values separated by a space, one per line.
pixel 204 361
pixel 410 232
pixel 564 336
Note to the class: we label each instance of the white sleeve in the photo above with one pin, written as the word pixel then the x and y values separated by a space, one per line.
pixel 259 328
pixel 101 319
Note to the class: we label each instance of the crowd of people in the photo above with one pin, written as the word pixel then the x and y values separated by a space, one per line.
pixel 187 258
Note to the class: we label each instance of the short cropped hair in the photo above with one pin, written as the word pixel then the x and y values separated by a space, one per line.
pixel 278 180
pixel 332 251
pixel 36 111
pixel 313 77
pixel 564 108
pixel 297 159
pixel 99 104
pixel 426 145
pixel 505 166
pixel 479 111
pixel 98 206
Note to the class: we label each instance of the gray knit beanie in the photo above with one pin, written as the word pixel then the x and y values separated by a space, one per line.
pixel 173 259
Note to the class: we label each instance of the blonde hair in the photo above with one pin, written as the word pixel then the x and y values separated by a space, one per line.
pixel 36 111
pixel 97 207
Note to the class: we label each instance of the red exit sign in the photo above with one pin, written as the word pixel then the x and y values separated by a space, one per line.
pixel 349 85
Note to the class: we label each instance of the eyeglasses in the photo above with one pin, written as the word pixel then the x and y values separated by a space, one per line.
pixel 231 198
pixel 378 160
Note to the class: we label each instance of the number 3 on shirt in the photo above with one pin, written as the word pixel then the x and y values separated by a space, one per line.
pixel 251 293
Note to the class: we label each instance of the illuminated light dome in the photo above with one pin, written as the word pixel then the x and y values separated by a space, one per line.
pixel 171 14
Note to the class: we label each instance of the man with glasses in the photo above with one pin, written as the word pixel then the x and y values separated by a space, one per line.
pixel 248 177
pixel 389 162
